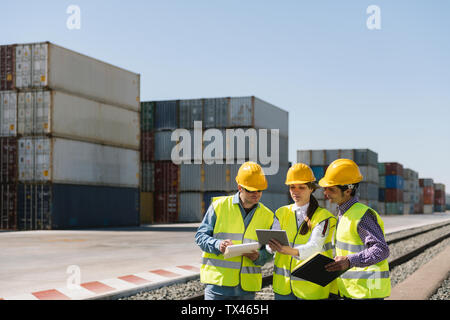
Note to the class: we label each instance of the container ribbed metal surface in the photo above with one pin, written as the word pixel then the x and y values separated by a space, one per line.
pixel 45 64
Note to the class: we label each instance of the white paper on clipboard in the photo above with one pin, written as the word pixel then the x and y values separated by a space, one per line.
pixel 236 250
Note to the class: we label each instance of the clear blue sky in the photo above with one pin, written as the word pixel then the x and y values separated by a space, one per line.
pixel 345 86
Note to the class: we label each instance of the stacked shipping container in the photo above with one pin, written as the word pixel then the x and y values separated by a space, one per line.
pixel 426 195
pixel 147 165
pixel 70 128
pixel 391 187
pixel 439 197
pixel 411 191
pixel 183 191
pixel 367 161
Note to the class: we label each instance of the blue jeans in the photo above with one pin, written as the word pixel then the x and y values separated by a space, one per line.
pixel 212 296
pixel 290 296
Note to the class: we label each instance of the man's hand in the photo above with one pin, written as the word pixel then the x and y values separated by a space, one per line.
pixel 224 244
pixel 252 256
pixel 340 263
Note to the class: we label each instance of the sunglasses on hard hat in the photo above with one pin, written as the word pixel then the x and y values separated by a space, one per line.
pixel 251 191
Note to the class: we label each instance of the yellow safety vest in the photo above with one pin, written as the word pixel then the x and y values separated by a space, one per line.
pixel 215 268
pixel 283 282
pixel 360 283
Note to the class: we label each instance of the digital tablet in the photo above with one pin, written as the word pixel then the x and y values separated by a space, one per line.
pixel 265 235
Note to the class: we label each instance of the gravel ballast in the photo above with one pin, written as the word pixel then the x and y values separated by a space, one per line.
pixel 397 274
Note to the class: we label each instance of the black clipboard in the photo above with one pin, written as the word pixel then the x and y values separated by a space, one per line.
pixel 313 270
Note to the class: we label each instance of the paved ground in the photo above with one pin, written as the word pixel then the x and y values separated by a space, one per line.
pixel 38 260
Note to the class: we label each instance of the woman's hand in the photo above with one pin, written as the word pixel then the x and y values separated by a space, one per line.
pixel 276 246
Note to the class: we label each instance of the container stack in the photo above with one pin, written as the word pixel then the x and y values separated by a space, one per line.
pixel 439 197
pixel 183 190
pixel 391 185
pixel 147 164
pixel 426 195
pixel 70 140
pixel 411 191
pixel 366 159
pixel 447 201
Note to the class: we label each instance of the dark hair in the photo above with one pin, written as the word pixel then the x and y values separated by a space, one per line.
pixel 345 187
pixel 313 205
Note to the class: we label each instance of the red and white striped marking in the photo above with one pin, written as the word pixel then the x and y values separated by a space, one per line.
pixel 92 289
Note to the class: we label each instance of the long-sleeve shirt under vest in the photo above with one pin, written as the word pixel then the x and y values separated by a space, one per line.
pixel 205 240
pixel 317 238
pixel 371 235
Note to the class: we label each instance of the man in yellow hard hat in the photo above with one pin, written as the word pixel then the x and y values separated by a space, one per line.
pixel 361 247
pixel 234 220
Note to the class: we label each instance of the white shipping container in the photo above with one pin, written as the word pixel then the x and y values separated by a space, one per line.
pixel 74 117
pixel 271 117
pixel 75 162
pixel 191 207
pixel 45 64
pixel 428 208
pixel 346 154
pixel 256 113
pixel 369 173
pixel 304 156
pixel 318 157
pixel 26 157
pixel 8 113
pixel 218 177
pixel 192 177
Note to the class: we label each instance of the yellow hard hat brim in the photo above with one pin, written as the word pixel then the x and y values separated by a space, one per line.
pixel 297 182
pixel 325 183
pixel 254 189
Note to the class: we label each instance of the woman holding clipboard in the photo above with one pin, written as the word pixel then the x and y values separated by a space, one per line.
pixel 310 229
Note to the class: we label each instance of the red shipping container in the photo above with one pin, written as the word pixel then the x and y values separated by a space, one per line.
pixel 147 146
pixel 8 206
pixel 7 67
pixel 393 195
pixel 166 207
pixel 439 194
pixel 166 176
pixel 393 169
pixel 8 160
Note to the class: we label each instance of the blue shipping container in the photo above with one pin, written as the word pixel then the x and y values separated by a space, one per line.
pixel 207 197
pixel 319 172
pixel 394 182
pixel 381 195
pixel 65 206
pixel 166 114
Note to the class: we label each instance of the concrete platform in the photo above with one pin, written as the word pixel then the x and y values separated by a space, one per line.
pixel 45 264
pixel 423 283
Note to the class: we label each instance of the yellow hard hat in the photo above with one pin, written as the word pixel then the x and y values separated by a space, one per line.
pixel 251 177
pixel 341 172
pixel 299 173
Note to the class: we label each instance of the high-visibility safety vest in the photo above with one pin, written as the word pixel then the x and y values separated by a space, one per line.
pixel 360 283
pixel 283 282
pixel 215 268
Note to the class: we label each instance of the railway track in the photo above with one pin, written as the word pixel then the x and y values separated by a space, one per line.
pixel 267 280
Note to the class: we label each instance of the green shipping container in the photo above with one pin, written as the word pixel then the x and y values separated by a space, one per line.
pixel 147 116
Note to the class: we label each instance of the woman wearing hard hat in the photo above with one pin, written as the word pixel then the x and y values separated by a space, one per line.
pixel 360 241
pixel 310 229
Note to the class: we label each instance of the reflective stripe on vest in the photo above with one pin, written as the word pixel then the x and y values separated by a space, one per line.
pixel 360 283
pixel 283 282
pixel 231 272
